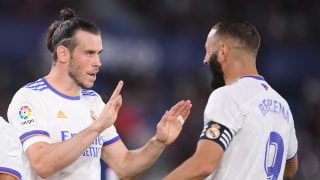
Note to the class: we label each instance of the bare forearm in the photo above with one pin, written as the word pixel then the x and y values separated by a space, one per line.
pixel 136 161
pixel 51 158
pixel 190 169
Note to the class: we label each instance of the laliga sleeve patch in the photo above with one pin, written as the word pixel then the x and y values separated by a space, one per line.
pixel 26 115
pixel 218 133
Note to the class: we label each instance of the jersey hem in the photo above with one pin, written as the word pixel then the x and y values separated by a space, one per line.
pixel 111 141
pixel 289 159
pixel 30 134
pixel 11 172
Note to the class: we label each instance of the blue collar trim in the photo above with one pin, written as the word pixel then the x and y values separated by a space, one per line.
pixel 60 94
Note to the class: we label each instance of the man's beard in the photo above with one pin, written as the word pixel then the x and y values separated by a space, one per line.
pixel 74 73
pixel 217 73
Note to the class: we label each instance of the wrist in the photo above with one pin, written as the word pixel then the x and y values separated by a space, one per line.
pixel 96 126
pixel 158 141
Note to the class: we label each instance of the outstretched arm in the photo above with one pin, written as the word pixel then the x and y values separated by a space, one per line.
pixel 128 164
pixel 201 164
pixel 47 159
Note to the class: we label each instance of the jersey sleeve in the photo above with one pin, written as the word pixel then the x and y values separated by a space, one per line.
pixel 28 117
pixel 224 109
pixel 293 143
pixel 10 152
pixel 222 117
pixel 110 135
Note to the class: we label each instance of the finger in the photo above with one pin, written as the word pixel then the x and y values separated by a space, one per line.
pixel 182 108
pixel 118 103
pixel 163 120
pixel 176 107
pixel 186 112
pixel 117 90
pixel 180 119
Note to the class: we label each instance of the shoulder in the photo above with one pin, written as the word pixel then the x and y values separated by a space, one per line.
pixel 7 132
pixel 27 96
pixel 89 92
pixel 31 89
pixel 243 89
pixel 221 94
pixel 38 85
pixel 90 96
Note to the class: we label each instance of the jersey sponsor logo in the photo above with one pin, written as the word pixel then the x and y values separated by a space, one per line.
pixel 61 115
pixel 26 115
pixel 213 132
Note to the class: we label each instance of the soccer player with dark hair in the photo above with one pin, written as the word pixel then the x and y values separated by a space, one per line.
pixel 65 128
pixel 248 127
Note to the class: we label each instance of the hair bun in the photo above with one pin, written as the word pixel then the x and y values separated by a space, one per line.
pixel 66 14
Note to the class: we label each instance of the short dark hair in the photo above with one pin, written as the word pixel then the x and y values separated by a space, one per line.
pixel 241 30
pixel 61 32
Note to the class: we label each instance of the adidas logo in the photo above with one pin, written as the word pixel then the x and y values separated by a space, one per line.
pixel 61 115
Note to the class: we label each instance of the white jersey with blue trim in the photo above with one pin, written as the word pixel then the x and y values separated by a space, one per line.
pixel 258 130
pixel 42 114
pixel 10 151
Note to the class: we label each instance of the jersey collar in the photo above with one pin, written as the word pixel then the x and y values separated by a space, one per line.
pixel 59 93
pixel 254 77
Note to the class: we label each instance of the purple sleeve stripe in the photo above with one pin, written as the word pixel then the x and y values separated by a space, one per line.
pixel 29 134
pixel 10 172
pixel 111 141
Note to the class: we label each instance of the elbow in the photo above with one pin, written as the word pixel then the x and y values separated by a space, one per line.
pixel 41 169
pixel 124 174
pixel 206 170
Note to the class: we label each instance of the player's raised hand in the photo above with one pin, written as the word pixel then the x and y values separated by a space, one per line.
pixel 172 121
pixel 110 111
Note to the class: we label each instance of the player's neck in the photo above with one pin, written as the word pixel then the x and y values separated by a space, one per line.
pixel 237 74
pixel 63 83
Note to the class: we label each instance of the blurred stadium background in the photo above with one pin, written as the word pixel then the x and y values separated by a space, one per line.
pixel 157 48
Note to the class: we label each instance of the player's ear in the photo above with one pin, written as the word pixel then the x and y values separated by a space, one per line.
pixel 223 51
pixel 63 53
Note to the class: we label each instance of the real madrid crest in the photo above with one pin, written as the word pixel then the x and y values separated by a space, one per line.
pixel 93 115
pixel 213 132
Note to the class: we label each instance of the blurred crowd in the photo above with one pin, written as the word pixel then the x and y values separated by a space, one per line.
pixel 157 48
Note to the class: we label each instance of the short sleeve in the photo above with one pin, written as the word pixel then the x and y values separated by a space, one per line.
pixel 222 108
pixel 28 116
pixel 293 143
pixel 10 151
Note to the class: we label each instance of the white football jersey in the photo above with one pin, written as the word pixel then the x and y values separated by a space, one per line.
pixel 258 134
pixel 42 114
pixel 10 150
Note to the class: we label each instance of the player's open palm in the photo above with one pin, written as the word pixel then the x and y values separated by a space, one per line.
pixel 110 111
pixel 172 121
